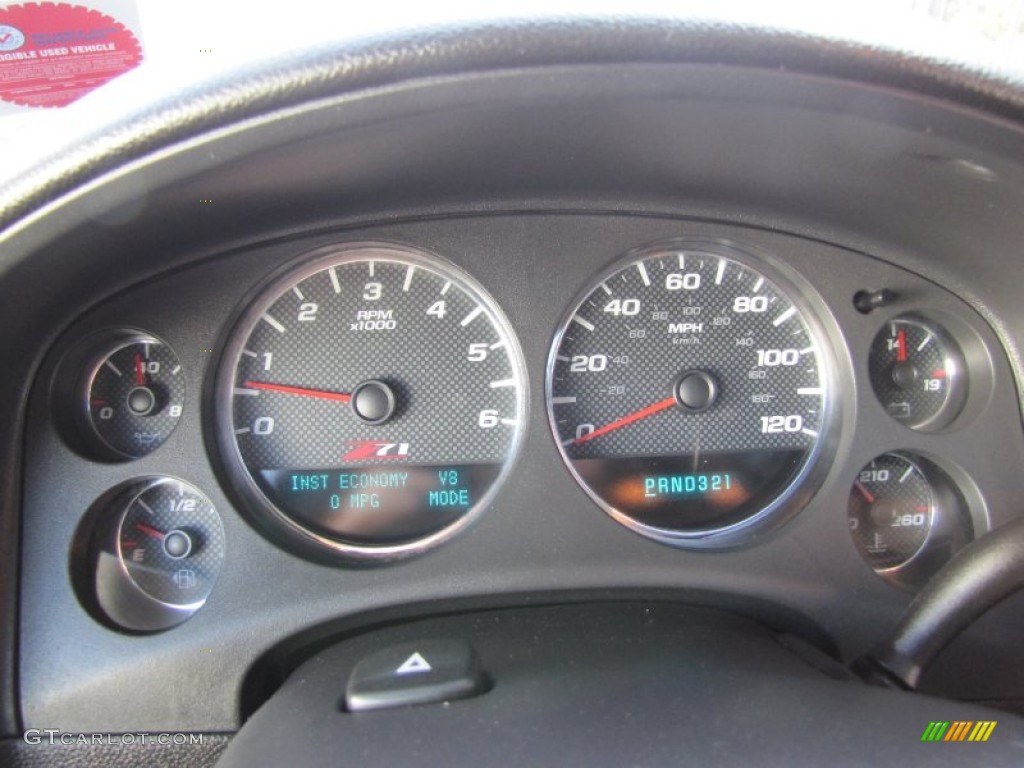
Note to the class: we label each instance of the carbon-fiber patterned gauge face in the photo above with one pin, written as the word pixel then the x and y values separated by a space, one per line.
pixel 370 400
pixel 157 552
pixel 688 392
pixel 891 508
pixel 918 373
pixel 134 397
pixel 171 542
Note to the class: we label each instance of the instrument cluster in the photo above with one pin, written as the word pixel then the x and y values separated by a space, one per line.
pixel 368 400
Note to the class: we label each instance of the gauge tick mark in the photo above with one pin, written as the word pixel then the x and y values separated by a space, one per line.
pixel 784 317
pixel 585 323
pixel 471 316
pixel 273 323
pixel 643 274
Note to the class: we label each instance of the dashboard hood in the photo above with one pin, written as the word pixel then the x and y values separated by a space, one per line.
pixel 528 153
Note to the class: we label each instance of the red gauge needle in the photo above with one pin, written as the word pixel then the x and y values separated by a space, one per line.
pixel 140 372
pixel 153 533
pixel 901 346
pixel 343 397
pixel 868 495
pixel 643 413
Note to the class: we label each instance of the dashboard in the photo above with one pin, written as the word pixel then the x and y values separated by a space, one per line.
pixel 645 330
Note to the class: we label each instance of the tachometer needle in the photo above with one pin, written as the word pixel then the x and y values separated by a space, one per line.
pixel 140 372
pixel 322 394
pixel 643 413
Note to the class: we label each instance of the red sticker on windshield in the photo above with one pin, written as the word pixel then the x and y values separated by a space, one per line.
pixel 53 53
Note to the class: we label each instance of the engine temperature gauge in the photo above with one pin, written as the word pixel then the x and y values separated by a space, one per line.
pixel 906 517
pixel 918 373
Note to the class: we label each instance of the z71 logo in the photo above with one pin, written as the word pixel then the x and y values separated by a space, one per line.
pixel 360 450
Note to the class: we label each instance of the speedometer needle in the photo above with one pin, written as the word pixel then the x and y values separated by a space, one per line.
pixel 322 394
pixel 643 413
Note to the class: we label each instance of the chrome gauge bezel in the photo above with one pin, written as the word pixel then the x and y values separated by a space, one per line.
pixel 94 354
pixel 952 525
pixel 260 509
pixel 118 598
pixel 817 463
pixel 952 406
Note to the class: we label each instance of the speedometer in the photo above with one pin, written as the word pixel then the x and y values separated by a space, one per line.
pixel 688 391
pixel 369 402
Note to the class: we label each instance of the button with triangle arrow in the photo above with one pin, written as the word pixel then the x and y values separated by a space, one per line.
pixel 413 665
pixel 424 672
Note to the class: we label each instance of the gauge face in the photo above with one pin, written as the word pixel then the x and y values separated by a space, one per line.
pixel 918 373
pixel 171 542
pixel 160 551
pixel 370 401
pixel 890 512
pixel 133 397
pixel 688 393
pixel 907 518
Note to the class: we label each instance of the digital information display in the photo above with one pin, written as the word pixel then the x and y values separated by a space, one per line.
pixel 378 504
pixel 672 492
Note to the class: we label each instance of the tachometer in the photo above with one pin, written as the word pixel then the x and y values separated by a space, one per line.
pixel 370 401
pixel 689 393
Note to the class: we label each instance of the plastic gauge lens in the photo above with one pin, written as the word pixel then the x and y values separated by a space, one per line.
pixel 688 392
pixel 133 396
pixel 892 505
pixel 907 518
pixel 918 373
pixel 370 401
pixel 159 555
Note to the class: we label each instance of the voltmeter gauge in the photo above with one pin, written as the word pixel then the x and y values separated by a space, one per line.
pixel 918 373
pixel 158 550
pixel 906 517
pixel 130 396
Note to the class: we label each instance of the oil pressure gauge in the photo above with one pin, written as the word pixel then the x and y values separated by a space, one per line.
pixel 123 394
pixel 918 373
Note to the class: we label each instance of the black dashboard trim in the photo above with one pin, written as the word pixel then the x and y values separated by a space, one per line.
pixel 29 207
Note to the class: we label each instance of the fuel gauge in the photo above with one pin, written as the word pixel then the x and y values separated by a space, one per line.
pixel 918 373
pixel 158 551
